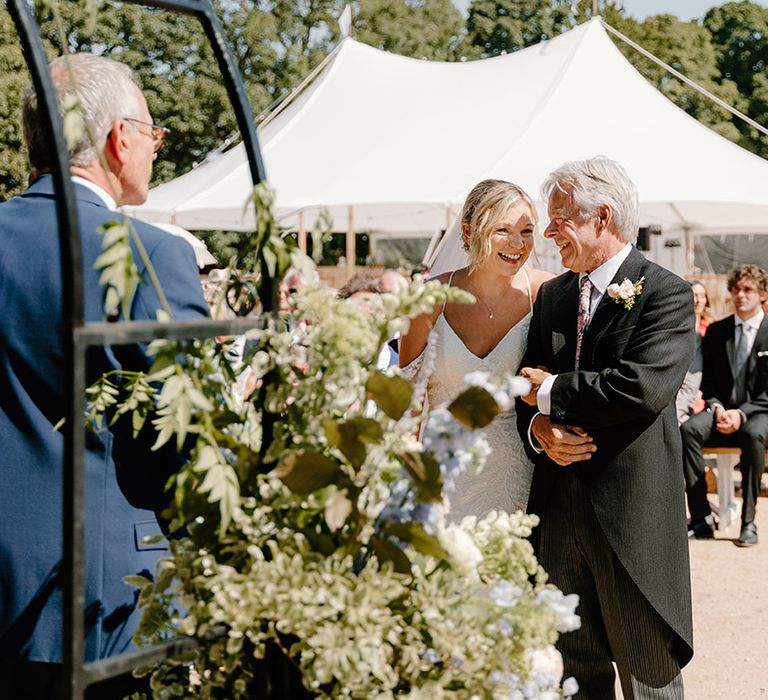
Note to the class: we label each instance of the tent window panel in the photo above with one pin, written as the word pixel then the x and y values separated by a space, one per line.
pixel 720 254
pixel 401 252
pixel 334 248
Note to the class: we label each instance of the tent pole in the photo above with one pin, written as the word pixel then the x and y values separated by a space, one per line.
pixel 350 242
pixel 302 234
pixel 690 251
pixel 595 8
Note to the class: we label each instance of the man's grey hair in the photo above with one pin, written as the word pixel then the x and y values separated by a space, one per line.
pixel 594 182
pixel 105 90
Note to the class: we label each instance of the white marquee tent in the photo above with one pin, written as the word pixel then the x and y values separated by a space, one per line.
pixel 401 141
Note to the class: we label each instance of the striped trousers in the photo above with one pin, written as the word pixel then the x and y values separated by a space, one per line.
pixel 617 622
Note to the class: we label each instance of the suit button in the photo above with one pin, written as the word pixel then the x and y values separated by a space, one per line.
pixel 560 414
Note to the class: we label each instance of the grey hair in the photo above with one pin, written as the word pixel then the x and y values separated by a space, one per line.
pixel 594 182
pixel 105 90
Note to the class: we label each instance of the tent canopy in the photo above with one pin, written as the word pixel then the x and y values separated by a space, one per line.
pixel 403 140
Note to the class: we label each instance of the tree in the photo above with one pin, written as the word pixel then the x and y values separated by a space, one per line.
pixel 686 47
pixel 13 80
pixel 495 27
pixel 740 36
pixel 430 29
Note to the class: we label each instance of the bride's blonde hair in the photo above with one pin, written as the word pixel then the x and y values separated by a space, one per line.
pixel 484 209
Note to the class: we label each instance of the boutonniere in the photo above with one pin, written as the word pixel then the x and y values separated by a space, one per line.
pixel 626 292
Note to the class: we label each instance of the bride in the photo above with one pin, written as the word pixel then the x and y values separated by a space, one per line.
pixel 497 228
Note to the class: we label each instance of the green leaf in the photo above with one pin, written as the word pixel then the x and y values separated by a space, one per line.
pixel 352 436
pixel 474 407
pixel 415 535
pixel 220 483
pixel 319 542
pixel 305 472
pixel 386 551
pixel 391 394
pixel 137 581
pixel 425 474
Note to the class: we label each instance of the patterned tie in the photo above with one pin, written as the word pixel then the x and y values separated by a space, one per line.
pixel 739 393
pixel 585 297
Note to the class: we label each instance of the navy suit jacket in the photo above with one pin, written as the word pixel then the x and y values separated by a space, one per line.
pixel 124 479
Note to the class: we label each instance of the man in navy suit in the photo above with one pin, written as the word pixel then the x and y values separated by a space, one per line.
pixel 124 480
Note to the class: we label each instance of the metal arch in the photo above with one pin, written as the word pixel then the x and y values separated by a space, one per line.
pixel 79 336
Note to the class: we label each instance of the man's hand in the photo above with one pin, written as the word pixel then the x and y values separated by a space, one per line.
pixel 727 421
pixel 564 444
pixel 535 376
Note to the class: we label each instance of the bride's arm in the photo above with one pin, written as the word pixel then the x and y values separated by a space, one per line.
pixel 413 344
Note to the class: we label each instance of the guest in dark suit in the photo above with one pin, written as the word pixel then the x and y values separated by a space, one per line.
pixel 616 336
pixel 124 479
pixel 735 387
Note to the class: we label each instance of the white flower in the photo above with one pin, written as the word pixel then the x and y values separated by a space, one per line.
pixel 546 665
pixel 626 292
pixel 564 606
pixel 505 594
pixel 462 551
pixel 570 686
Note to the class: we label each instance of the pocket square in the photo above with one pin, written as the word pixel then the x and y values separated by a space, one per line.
pixel 762 353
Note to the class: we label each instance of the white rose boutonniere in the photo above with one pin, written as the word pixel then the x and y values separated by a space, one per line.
pixel 626 292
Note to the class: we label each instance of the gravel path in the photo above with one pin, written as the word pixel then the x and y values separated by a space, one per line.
pixel 730 616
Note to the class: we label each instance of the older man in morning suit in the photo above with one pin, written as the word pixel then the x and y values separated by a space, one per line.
pixel 735 387
pixel 124 480
pixel 607 483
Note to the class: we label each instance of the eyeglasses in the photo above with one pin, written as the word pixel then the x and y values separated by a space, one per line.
pixel 157 133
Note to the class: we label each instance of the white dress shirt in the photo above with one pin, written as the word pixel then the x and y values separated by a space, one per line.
pixel 600 278
pixel 752 324
pixel 103 195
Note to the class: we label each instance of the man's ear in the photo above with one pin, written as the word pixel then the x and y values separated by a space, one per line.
pixel 604 216
pixel 117 144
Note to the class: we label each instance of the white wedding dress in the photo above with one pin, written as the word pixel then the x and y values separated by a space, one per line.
pixel 505 481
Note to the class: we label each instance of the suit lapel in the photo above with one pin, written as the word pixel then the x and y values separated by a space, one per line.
pixel 761 339
pixel 730 346
pixel 564 314
pixel 608 310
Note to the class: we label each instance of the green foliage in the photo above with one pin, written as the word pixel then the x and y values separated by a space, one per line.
pixel 430 29
pixel 496 27
pixel 391 394
pixel 474 407
pixel 13 80
pixel 688 48
pixel 740 35
pixel 119 273
pixel 313 519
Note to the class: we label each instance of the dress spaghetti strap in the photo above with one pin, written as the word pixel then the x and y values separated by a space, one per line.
pixel 450 279
pixel 527 284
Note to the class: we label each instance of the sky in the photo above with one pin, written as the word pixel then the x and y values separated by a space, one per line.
pixel 639 9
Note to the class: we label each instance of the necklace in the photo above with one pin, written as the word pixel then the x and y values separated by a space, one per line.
pixel 485 304
pixel 488 308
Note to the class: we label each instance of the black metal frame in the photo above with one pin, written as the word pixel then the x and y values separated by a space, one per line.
pixel 80 336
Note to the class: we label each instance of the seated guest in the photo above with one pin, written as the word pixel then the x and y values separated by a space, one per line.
pixel 689 399
pixel 735 387
pixel 124 478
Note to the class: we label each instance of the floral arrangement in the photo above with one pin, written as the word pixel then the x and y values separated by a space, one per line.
pixel 626 292
pixel 318 558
